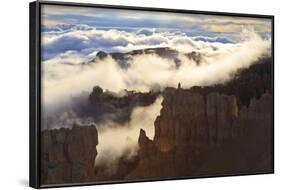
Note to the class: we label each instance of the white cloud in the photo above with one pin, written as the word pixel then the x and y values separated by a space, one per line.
pixel 64 75
pixel 115 140
pixel 80 38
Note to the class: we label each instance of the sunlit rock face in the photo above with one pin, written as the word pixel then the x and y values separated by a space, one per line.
pixel 198 135
pixel 190 118
pixel 181 119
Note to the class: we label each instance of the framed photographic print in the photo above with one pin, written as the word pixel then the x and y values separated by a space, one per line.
pixel 130 94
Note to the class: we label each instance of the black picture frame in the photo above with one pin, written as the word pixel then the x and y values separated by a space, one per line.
pixel 35 86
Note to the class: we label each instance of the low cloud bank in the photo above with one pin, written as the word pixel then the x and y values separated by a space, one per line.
pixel 116 141
pixel 64 76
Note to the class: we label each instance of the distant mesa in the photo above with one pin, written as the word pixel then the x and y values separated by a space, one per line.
pixel 164 52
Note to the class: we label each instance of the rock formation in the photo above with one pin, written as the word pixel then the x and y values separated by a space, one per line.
pixel 68 155
pixel 103 106
pixel 165 52
pixel 247 84
pixel 207 134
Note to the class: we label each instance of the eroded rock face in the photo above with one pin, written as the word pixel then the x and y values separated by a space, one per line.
pixel 68 155
pixel 182 118
pixel 191 118
pixel 207 134
pixel 221 111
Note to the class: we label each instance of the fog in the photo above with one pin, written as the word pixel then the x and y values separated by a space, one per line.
pixel 64 76
pixel 116 140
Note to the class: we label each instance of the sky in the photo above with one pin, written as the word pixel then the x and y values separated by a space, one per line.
pixel 59 20
pixel 192 24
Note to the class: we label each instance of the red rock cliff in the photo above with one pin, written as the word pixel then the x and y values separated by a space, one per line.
pixel 207 134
